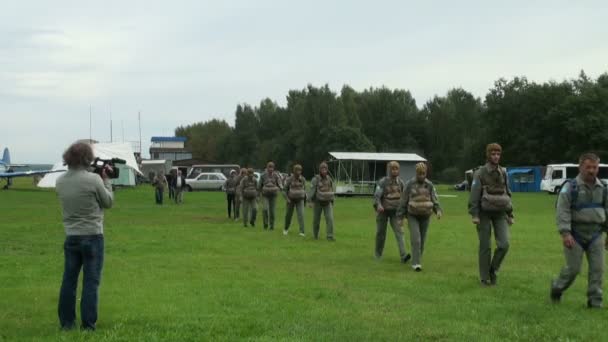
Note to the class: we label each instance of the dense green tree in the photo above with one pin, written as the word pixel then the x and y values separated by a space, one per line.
pixel 205 139
pixel 537 124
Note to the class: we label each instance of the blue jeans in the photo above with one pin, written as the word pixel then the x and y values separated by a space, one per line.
pixel 84 252
pixel 159 196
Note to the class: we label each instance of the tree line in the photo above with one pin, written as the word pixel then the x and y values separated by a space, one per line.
pixel 536 123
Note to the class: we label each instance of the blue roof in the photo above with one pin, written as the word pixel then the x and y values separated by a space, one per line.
pixel 172 139
pixel 516 171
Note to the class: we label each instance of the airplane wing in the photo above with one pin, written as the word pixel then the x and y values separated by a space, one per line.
pixel 26 173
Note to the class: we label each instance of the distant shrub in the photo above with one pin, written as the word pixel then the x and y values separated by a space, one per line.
pixel 450 175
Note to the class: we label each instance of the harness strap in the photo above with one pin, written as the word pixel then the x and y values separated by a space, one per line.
pixel 574 198
pixel 579 239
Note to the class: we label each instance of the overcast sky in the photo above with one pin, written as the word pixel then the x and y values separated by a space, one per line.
pixel 180 62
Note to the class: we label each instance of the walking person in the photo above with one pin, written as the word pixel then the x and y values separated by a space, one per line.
pixel 322 196
pixel 249 193
pixel 230 188
pixel 419 202
pixel 159 183
pixel 490 207
pixel 238 197
pixel 179 186
pixel 295 193
pixel 171 184
pixel 387 199
pixel 582 208
pixel 270 185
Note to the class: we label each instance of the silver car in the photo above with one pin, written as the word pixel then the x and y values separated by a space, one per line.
pixel 207 181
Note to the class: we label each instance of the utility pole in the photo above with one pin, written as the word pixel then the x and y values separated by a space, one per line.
pixel 90 124
pixel 139 120
pixel 111 126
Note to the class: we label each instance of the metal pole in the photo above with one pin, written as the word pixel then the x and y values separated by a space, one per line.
pixel 375 165
pixel 140 147
pixel 111 126
pixel 362 171
pixel 338 175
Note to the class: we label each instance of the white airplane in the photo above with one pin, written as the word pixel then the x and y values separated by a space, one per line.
pixel 6 171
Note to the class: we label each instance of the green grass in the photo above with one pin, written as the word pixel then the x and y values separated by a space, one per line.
pixel 186 273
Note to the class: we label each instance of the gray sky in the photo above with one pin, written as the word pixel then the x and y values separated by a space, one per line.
pixel 180 62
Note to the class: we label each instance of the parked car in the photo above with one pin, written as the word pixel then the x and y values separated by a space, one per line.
pixel 207 181
pixel 196 170
pixel 462 186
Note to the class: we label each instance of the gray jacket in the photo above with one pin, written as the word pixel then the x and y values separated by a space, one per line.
pixel 83 197
pixel 588 215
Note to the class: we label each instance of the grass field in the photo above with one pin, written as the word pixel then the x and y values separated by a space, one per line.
pixel 186 273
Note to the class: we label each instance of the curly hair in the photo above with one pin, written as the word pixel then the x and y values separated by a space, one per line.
pixel 78 155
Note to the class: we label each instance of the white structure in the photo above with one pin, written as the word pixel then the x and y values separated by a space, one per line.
pixel 103 151
pixel 558 174
pixel 169 148
pixel 357 173
pixel 155 166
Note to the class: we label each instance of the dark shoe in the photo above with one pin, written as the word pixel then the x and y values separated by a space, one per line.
pixel 485 283
pixel 493 278
pixel 555 295
pixel 84 327
pixel 406 258
pixel 331 239
pixel 68 327
pixel 244 226
pixel 593 306
pixel 265 227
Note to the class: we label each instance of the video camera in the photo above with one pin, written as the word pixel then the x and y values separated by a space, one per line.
pixel 99 165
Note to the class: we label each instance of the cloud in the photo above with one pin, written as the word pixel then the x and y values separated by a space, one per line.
pixel 191 61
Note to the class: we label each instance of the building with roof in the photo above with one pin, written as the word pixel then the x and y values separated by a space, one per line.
pixel 169 148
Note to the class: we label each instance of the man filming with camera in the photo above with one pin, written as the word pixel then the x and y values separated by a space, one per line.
pixel 83 195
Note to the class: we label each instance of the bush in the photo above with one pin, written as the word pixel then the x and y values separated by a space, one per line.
pixel 450 175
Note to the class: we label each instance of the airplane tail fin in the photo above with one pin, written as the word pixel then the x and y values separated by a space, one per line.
pixel 6 157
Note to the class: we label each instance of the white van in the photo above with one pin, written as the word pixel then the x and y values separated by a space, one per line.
pixel 558 174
